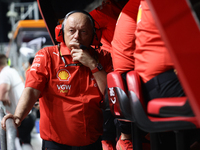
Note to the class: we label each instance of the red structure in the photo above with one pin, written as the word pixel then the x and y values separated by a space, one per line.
pixel 178 23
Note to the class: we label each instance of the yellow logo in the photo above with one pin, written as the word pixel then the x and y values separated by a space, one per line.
pixel 63 91
pixel 63 75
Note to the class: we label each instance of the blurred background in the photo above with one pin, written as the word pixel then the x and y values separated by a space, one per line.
pixel 5 25
pixel 22 32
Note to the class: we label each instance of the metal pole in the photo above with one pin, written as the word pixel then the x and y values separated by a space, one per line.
pixel 2 132
pixel 11 133
pixel 36 10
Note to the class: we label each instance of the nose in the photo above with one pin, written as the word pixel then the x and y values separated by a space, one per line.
pixel 76 35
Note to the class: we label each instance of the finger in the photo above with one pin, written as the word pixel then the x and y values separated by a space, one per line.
pixel 17 122
pixel 3 121
pixel 77 51
pixel 74 58
pixel 74 54
pixel 74 45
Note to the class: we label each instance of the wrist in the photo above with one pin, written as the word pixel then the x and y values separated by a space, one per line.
pixel 93 65
pixel 97 68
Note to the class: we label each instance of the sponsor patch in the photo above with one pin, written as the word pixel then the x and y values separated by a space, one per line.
pixel 36 60
pixel 64 88
pixel 36 65
pixel 63 75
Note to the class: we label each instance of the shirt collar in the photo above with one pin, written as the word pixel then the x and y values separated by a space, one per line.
pixel 64 49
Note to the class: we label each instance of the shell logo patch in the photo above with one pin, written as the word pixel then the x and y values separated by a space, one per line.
pixel 63 75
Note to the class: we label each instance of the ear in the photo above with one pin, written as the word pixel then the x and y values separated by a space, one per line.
pixel 58 33
pixel 97 38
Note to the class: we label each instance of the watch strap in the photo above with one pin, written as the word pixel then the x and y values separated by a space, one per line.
pixel 97 68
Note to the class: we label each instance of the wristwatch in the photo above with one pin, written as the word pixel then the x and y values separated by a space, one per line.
pixel 99 67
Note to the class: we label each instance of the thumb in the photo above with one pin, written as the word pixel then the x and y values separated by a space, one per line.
pixel 17 122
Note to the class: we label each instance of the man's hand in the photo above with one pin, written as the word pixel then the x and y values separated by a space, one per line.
pixel 37 105
pixel 83 57
pixel 16 120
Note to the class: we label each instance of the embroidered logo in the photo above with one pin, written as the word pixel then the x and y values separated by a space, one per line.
pixel 63 75
pixel 64 88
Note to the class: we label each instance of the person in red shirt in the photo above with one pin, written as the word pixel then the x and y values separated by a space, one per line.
pixel 123 46
pixel 69 81
pixel 138 45
pixel 140 48
pixel 106 17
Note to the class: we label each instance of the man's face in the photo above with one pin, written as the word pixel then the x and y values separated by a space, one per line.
pixel 78 31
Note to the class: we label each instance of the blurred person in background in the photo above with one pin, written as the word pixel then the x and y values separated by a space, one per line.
pixel 11 87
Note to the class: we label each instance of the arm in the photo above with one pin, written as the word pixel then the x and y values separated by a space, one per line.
pixel 25 104
pixel 87 60
pixel 123 44
pixel 100 77
pixel 4 88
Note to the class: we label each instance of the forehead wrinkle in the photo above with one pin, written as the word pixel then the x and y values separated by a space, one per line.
pixel 79 20
pixel 74 23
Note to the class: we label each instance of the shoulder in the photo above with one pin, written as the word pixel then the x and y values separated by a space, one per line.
pixel 6 70
pixel 47 51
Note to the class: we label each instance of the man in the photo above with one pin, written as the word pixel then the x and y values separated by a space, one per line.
pixel 11 87
pixel 123 45
pixel 106 17
pixel 69 83
pixel 147 54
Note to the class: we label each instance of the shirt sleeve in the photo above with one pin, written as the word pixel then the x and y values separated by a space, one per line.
pixel 106 60
pixel 4 79
pixel 38 74
pixel 123 44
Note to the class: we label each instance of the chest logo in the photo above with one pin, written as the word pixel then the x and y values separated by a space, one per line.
pixel 63 75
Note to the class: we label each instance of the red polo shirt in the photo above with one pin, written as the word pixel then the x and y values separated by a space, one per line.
pixel 151 55
pixel 123 44
pixel 69 102
pixel 139 46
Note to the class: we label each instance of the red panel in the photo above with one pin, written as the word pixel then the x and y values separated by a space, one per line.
pixel 181 35
pixel 114 79
pixel 154 106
